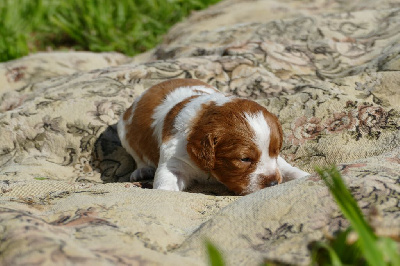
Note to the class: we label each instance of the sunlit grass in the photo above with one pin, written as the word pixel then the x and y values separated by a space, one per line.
pixel 214 255
pixel 357 245
pixel 127 26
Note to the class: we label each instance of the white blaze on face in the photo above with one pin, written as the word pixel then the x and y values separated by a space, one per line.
pixel 262 133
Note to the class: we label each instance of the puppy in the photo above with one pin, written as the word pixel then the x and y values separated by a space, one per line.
pixel 184 129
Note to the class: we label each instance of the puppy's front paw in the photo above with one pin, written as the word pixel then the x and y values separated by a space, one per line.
pixel 142 174
pixel 290 172
pixel 165 184
pixel 170 187
pixel 295 173
pixel 168 180
pixel 299 173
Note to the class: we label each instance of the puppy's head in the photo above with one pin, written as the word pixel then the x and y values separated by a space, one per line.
pixel 238 143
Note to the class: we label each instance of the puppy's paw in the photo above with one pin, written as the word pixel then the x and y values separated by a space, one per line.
pixel 169 187
pixel 166 180
pixel 299 173
pixel 142 174
pixel 294 174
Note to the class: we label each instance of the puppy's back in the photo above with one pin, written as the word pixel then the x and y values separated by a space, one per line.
pixel 140 128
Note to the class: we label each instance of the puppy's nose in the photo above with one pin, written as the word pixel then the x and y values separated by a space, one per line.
pixel 270 180
pixel 273 183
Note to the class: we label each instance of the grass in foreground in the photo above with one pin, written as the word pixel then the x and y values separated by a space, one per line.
pixel 127 26
pixel 214 256
pixel 357 245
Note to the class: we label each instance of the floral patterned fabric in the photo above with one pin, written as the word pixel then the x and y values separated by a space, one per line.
pixel 329 70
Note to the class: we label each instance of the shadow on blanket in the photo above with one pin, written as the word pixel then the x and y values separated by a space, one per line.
pixel 115 163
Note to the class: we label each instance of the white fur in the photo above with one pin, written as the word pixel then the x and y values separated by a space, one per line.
pixel 289 172
pixel 175 169
pixel 262 132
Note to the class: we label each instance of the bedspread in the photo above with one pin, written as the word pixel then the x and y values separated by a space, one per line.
pixel 330 71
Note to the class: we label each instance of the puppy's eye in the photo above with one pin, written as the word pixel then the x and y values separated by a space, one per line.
pixel 246 160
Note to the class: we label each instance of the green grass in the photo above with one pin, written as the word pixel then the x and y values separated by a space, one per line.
pixel 40 178
pixel 366 247
pixel 214 255
pixel 357 245
pixel 127 26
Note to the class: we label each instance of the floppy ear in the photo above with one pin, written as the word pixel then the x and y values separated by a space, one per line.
pixel 201 150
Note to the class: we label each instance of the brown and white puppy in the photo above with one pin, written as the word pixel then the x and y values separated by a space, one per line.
pixel 184 129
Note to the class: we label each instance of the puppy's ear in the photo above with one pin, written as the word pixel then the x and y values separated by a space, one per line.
pixel 200 148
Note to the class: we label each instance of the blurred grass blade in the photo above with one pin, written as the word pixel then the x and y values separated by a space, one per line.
pixel 390 250
pixel 348 205
pixel 215 257
pixel 334 260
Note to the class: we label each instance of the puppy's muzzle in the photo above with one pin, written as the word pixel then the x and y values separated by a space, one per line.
pixel 270 180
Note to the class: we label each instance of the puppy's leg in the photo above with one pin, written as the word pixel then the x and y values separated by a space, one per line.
pixel 143 170
pixel 143 173
pixel 166 178
pixel 289 172
pixel 172 173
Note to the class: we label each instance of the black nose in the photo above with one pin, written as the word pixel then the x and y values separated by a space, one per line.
pixel 273 183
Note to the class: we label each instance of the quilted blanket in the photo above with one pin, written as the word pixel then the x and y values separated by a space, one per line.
pixel 330 70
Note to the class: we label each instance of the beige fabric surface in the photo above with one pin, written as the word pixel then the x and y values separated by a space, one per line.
pixel 37 67
pixel 329 70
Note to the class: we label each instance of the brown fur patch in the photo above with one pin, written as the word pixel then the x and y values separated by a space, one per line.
pixel 127 113
pixel 139 132
pixel 276 137
pixel 168 127
pixel 265 181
